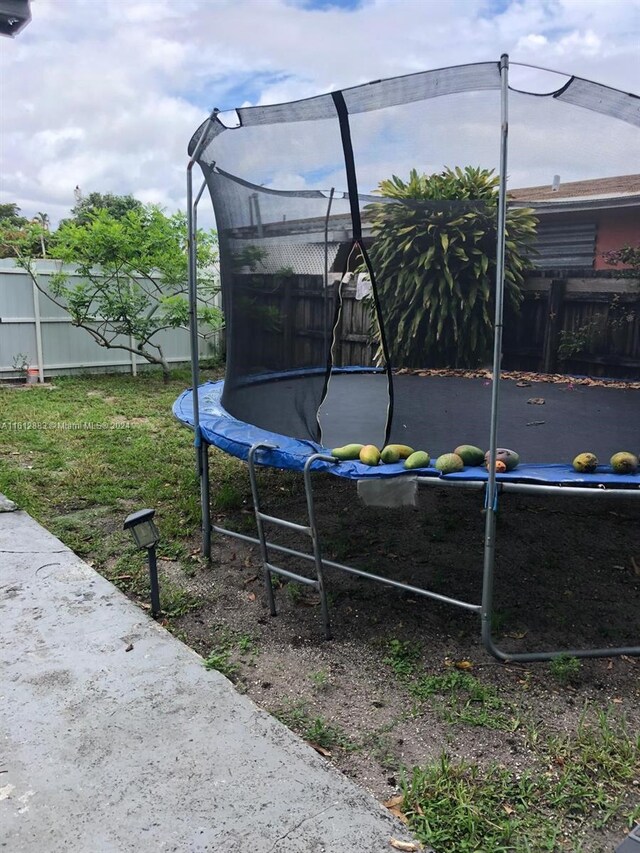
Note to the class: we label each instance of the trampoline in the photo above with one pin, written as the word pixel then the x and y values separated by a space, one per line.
pixel 291 393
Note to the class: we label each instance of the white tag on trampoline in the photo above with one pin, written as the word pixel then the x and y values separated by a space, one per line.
pixel 389 491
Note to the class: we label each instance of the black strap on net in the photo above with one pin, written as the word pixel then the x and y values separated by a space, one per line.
pixel 356 220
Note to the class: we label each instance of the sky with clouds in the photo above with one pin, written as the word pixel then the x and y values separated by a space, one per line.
pixel 105 94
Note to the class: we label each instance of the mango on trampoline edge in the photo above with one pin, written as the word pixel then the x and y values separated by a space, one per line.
pixel 449 463
pixel 347 452
pixel 404 451
pixel 624 462
pixel 389 455
pixel 370 455
pixel 470 454
pixel 585 463
pixel 510 458
pixel 418 459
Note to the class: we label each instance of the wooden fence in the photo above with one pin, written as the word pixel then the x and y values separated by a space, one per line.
pixel 586 324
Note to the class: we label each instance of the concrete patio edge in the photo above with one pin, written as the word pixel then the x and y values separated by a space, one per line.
pixel 116 738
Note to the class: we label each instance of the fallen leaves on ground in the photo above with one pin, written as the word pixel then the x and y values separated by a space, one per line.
pixel 393 805
pixel 407 846
pixel 320 749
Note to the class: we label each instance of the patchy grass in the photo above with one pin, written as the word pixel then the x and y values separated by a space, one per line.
pixel 456 696
pixel 315 729
pixel 460 807
pixel 83 454
pixel 565 669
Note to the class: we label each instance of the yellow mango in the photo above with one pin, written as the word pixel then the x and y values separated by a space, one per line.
pixel 370 455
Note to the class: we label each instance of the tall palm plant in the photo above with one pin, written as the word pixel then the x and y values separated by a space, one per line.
pixel 434 258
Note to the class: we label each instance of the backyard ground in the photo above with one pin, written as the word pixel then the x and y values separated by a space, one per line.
pixel 477 755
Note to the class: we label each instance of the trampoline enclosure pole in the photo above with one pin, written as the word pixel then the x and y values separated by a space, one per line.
pixel 491 495
pixel 202 456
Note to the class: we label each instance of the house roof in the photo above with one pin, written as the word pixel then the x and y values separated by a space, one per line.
pixel 599 188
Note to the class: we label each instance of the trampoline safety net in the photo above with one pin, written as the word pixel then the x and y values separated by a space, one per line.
pixel 359 229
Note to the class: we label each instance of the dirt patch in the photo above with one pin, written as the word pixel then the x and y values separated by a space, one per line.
pixel 566 577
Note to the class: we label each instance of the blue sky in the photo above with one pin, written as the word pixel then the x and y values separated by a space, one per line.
pixel 106 95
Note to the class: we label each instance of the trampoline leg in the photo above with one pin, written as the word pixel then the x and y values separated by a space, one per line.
pixel 205 502
pixel 486 613
pixel 315 539
pixel 264 553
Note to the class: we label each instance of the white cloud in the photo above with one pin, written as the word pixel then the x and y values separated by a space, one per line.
pixel 107 95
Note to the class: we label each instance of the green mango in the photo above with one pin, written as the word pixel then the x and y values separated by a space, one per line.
pixel 418 459
pixel 470 454
pixel 389 455
pixel 404 451
pixel 349 451
pixel 449 463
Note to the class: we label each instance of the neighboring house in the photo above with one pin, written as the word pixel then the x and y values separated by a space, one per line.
pixel 581 220
pixel 14 16
pixel 578 222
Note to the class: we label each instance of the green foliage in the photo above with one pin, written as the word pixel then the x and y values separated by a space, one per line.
pixel 627 255
pixel 220 660
pixel 462 807
pixel 434 258
pixel 117 206
pixel 565 669
pixel 19 235
pixel 314 729
pixel 130 277
pixel 403 657
pixel 10 215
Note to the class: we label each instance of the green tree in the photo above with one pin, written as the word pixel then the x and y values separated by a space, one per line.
pixel 17 230
pixel 434 257
pixel 130 278
pixel 117 206
pixel 10 215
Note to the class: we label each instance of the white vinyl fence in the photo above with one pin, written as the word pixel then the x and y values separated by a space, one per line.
pixel 36 333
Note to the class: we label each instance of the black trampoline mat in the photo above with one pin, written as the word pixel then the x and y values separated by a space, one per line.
pixel 437 413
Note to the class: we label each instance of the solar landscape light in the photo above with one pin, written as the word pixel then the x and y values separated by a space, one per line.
pixel 146 535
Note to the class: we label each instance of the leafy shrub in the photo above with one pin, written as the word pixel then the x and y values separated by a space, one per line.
pixel 434 258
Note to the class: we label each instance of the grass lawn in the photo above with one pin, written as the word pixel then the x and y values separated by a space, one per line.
pixel 80 454
pixel 475 755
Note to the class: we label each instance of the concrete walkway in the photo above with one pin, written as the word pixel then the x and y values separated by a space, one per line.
pixel 107 750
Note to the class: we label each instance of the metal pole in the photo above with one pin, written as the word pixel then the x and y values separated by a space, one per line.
pixel 202 456
pixel 490 521
pixel 153 578
pixel 325 313
pixel 38 327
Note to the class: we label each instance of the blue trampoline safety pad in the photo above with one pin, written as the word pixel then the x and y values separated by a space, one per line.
pixel 222 430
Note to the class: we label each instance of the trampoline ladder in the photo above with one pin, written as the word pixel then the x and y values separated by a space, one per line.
pixel 309 530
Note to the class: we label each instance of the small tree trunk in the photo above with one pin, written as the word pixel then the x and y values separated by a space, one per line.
pixel 157 359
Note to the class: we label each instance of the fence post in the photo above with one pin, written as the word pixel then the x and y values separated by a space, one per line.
pixel 289 355
pixel 336 333
pixel 38 328
pixel 554 319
